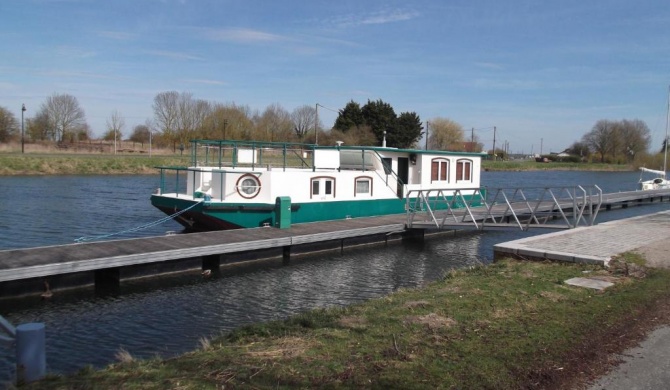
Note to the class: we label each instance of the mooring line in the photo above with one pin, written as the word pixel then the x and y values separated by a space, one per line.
pixel 138 228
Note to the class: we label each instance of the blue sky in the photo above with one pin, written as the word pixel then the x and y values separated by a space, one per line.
pixel 541 72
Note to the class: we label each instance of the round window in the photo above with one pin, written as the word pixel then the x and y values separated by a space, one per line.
pixel 248 186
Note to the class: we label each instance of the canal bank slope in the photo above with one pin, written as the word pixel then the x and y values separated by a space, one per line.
pixel 512 324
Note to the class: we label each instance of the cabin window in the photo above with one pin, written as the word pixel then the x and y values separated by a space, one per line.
pixel 387 162
pixel 439 170
pixel 363 186
pixel 323 187
pixel 464 170
pixel 248 186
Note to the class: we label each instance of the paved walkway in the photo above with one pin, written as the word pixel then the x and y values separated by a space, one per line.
pixel 593 244
pixel 646 366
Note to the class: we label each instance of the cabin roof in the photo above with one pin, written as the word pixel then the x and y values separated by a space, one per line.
pixel 288 145
pixel 395 150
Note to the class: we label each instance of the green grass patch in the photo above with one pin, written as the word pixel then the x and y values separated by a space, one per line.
pixel 89 164
pixel 501 326
pixel 632 257
pixel 83 164
pixel 556 166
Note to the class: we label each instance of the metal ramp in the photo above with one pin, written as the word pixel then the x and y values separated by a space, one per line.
pixel 522 208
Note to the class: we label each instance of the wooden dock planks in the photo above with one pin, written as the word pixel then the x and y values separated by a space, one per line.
pixel 53 260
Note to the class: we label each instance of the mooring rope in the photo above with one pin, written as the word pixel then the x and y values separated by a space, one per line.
pixel 138 228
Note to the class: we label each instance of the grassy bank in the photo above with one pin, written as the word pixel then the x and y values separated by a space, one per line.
pixel 509 325
pixel 89 164
pixel 83 164
pixel 555 166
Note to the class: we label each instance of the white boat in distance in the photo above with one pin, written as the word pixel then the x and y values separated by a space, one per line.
pixel 656 183
pixel 661 180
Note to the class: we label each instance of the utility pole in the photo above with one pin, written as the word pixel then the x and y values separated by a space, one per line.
pixel 472 140
pixel 541 145
pixel 494 143
pixel 427 126
pixel 23 109
pixel 316 124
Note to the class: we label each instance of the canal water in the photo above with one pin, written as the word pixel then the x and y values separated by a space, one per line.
pixel 169 316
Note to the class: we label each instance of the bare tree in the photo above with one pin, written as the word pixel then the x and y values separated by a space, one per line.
pixel 275 124
pixel 115 124
pixel 200 111
pixel 9 126
pixel 303 118
pixel 445 134
pixel 84 133
pixel 64 115
pixel 228 121
pixel 601 138
pixel 141 134
pixel 635 137
pixel 580 149
pixel 186 121
pixel 37 128
pixel 166 114
pixel 618 138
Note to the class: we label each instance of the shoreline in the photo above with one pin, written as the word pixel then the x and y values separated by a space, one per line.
pixel 33 164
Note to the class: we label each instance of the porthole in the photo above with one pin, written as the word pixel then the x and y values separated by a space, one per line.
pixel 248 186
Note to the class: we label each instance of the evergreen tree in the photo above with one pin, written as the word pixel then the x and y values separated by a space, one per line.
pixel 380 117
pixel 349 118
pixel 407 131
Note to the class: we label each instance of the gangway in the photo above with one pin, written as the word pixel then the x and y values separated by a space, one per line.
pixel 518 207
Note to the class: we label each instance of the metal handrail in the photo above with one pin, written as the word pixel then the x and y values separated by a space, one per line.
pixel 481 207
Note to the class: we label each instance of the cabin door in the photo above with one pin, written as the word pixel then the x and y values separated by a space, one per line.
pixel 403 174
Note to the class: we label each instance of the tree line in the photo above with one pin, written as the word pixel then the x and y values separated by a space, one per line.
pixel 614 141
pixel 178 117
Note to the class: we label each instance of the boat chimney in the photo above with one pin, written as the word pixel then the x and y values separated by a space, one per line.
pixel 384 140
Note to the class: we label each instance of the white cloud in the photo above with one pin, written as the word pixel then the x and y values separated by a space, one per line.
pixel 118 35
pixel 78 75
pixel 204 81
pixel 489 65
pixel 242 35
pixel 74 52
pixel 381 17
pixel 174 55
pixel 507 84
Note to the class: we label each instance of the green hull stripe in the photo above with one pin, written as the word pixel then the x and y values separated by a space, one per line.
pixel 259 214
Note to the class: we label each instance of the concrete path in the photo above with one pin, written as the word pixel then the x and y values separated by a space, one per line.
pixel 646 366
pixel 593 244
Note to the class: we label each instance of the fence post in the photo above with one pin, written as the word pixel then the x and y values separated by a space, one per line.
pixel 31 361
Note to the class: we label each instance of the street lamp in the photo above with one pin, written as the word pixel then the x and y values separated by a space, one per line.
pixel 23 109
pixel 223 149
